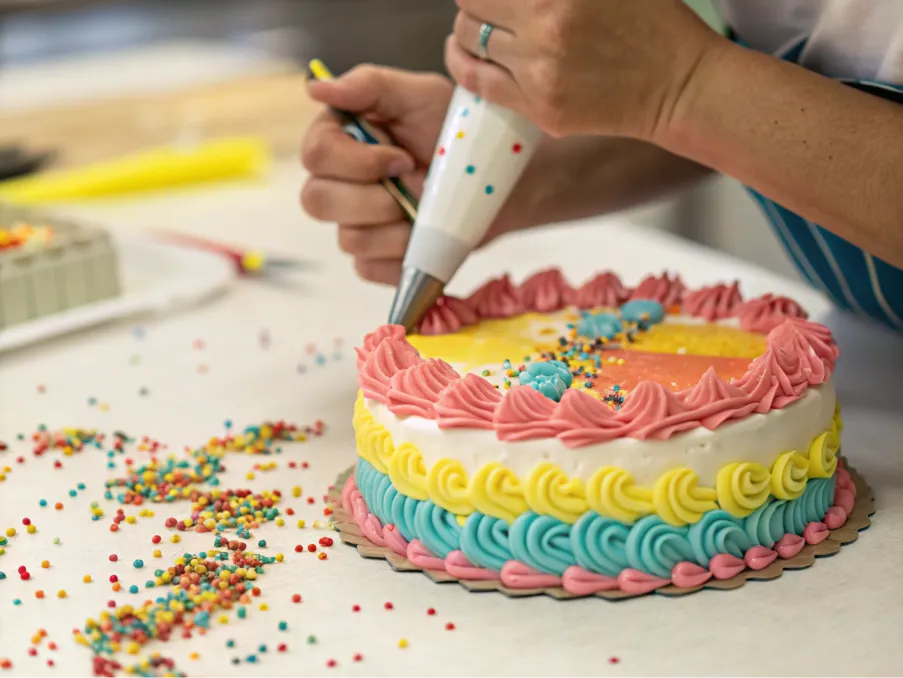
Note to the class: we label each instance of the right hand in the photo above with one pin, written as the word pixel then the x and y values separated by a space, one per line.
pixel 343 186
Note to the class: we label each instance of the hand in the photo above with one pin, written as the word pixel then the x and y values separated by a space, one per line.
pixel 614 67
pixel 344 174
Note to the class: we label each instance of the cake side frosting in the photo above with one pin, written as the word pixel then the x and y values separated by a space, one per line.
pixel 596 553
pixel 624 479
pixel 622 460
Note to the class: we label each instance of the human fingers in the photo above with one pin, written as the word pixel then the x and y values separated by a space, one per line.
pixel 384 241
pixel 349 203
pixel 328 151
pixel 383 271
pixel 483 78
pixel 384 93
pixel 501 47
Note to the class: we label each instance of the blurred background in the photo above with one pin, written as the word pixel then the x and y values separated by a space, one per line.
pixel 91 80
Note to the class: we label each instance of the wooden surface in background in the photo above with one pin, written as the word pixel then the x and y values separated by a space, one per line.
pixel 274 107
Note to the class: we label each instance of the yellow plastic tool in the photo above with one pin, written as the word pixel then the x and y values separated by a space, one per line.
pixel 219 160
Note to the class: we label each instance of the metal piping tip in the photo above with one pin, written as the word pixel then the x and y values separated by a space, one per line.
pixel 416 293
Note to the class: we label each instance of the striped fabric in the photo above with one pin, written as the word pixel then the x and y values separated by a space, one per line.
pixel 854 280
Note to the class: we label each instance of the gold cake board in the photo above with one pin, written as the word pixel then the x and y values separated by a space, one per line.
pixel 857 521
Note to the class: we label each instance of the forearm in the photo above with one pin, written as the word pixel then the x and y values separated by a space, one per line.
pixel 830 153
pixel 577 177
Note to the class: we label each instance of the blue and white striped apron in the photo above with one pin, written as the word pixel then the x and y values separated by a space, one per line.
pixel 854 280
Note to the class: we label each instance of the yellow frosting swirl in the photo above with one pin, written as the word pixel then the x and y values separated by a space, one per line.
pixel 362 422
pixel 379 447
pixel 742 487
pixel 789 475
pixel 833 439
pixel 822 459
pixel 679 500
pixel 550 492
pixel 611 492
pixel 408 472
pixel 446 483
pixel 497 492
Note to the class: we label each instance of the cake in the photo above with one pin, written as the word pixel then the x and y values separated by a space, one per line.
pixel 48 266
pixel 600 437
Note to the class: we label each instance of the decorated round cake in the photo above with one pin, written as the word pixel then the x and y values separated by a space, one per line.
pixel 600 437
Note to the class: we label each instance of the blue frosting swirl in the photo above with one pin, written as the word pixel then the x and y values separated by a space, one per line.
pixel 437 528
pixel 600 544
pixel 656 547
pixel 795 517
pixel 542 542
pixel 382 501
pixel 403 511
pixel 551 378
pixel 599 325
pixel 484 540
pixel 718 532
pixel 363 477
pixel 765 525
pixel 646 310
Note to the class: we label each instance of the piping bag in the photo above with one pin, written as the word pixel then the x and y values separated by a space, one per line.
pixel 482 152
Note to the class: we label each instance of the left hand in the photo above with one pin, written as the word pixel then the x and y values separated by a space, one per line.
pixel 614 67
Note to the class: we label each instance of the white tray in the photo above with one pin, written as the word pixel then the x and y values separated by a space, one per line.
pixel 156 278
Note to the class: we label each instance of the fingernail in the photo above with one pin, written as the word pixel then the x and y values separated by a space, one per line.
pixel 400 165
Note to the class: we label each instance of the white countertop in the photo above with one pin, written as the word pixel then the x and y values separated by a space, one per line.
pixel 842 616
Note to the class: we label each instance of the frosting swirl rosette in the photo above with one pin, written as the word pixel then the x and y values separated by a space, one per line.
pixel 663 289
pixel 585 420
pixel 542 542
pixel 546 291
pixel 712 303
pixel 656 547
pixel 413 391
pixel 525 414
pixel 718 532
pixel 447 315
pixel 375 338
pixel 446 482
pixel 603 291
pixel 469 403
pixel 484 540
pixel 764 313
pixel 611 492
pixel 679 500
pixel 437 529
pixel 599 325
pixel 498 298
pixel 408 472
pixel 390 356
pixel 600 544
pixel 497 492
pixel 549 491
pixel 742 487
pixel 789 475
pixel 550 377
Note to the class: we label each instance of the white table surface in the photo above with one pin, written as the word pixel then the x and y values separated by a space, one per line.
pixel 842 616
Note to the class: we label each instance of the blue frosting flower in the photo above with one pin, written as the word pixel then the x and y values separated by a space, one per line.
pixel 643 309
pixel 599 326
pixel 551 378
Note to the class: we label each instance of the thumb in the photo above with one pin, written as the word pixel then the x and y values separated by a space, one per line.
pixel 363 89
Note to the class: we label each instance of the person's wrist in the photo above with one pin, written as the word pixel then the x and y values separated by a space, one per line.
pixel 676 128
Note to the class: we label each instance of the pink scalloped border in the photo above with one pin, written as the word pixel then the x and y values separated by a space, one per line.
pixel 576 581
pixel 799 355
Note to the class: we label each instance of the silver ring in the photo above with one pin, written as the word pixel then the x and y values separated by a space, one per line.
pixel 485 33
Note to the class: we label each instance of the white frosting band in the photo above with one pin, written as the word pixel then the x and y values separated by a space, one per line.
pixel 759 438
